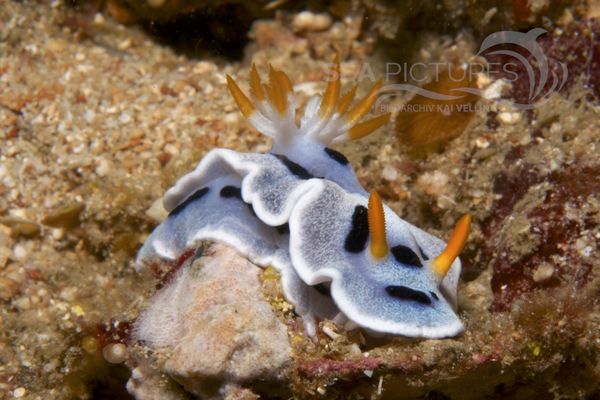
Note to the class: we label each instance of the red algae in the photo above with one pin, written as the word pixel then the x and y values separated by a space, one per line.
pixel 164 271
pixel 556 235
pixel 326 366
pixel 113 331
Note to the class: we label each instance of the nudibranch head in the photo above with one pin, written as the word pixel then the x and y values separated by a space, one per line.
pixel 327 120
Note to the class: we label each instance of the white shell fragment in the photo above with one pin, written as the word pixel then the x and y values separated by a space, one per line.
pixel 301 210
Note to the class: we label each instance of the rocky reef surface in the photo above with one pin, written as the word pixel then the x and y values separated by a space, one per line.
pixel 98 119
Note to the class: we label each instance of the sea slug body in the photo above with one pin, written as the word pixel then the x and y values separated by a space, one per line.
pixel 342 254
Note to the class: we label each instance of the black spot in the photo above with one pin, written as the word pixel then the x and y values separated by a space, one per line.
pixel 234 192
pixel 231 191
pixel 324 288
pixel 294 168
pixel 197 195
pixel 283 229
pixel 406 293
pixel 425 257
pixel 404 255
pixel 337 156
pixel 356 240
pixel 435 296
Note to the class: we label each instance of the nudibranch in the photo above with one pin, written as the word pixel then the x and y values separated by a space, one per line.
pixel 341 253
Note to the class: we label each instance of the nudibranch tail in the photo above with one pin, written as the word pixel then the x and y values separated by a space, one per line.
pixel 379 246
pixel 327 119
pixel 442 263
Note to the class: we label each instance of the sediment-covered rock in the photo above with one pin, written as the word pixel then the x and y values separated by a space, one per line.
pixel 214 328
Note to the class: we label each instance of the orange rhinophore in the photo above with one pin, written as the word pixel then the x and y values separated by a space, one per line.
pixel 379 247
pixel 442 263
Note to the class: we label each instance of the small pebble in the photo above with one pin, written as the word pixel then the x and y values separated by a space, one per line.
pixel 543 272
pixel 125 44
pixel 103 167
pixel 354 349
pixel 89 116
pixel 8 288
pixel 90 344
pixel 482 142
pixel 115 353
pixel 57 233
pixel 330 332
pixel 308 21
pixel 21 227
pixel 434 184
pixel 204 67
pixel 23 303
pixel 509 118
pixel 19 392
pixel 495 89
pixel 78 310
pixel 389 173
pixel 124 118
pixel 69 293
pixel 583 248
pixel 66 216
pixel 172 149
pixel 99 19
pixel 157 211
pixel 20 252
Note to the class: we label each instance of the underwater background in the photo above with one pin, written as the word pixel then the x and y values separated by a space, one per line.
pixel 104 104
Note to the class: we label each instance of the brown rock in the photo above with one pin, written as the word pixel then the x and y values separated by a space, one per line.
pixel 148 384
pixel 20 226
pixel 66 216
pixel 217 329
